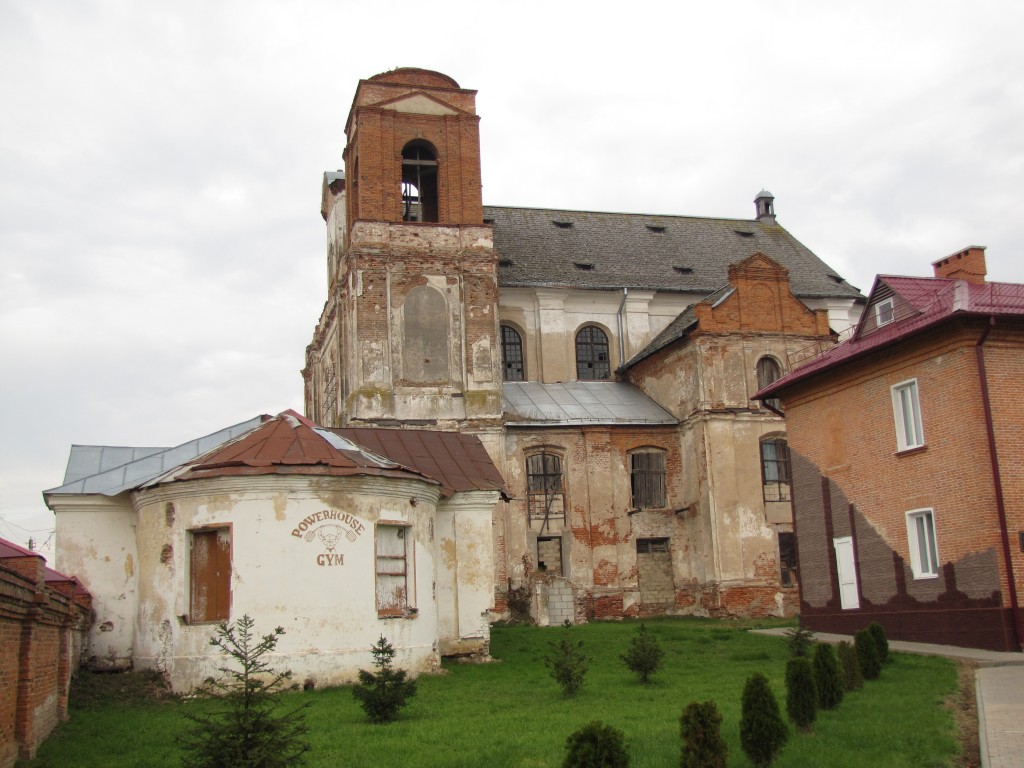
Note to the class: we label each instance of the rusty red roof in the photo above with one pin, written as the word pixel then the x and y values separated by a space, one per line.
pixel 292 444
pixel 931 301
pixel 10 549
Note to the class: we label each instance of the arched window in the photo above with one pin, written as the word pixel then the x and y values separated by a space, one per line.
pixel 768 371
pixel 512 354
pixel 775 468
pixel 419 182
pixel 647 479
pixel 545 490
pixel 592 361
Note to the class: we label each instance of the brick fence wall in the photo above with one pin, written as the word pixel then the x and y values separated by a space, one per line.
pixel 43 619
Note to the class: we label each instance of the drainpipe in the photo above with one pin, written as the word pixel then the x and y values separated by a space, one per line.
pixel 1000 505
pixel 618 320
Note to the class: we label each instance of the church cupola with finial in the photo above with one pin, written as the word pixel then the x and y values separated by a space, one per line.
pixel 409 333
pixel 765 206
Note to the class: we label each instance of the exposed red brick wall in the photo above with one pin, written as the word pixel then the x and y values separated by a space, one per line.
pixel 41 636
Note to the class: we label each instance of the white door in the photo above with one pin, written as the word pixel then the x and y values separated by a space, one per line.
pixel 847 573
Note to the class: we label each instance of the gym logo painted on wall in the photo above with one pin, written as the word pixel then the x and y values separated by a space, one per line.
pixel 315 526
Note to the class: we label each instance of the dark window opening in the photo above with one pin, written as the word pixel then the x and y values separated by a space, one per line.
pixel 512 354
pixel 655 228
pixel 651 546
pixel 562 224
pixel 592 360
pixel 787 558
pixel 683 270
pixel 742 233
pixel 647 479
pixel 775 468
pixel 769 371
pixel 504 262
pixel 419 183
pixel 545 492
pixel 583 265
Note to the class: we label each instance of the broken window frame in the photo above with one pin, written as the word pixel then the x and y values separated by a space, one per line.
pixel 512 359
pixel 391 566
pixel 209 578
pixel 653 545
pixel 420 172
pixel 545 489
pixel 593 359
pixel 775 468
pixel 647 485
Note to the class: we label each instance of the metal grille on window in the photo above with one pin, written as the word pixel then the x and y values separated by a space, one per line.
pixel 647 479
pixel 775 469
pixel 512 354
pixel 592 361
pixel 392 577
pixel 544 489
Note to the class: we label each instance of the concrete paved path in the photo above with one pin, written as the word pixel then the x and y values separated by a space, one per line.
pixel 999 684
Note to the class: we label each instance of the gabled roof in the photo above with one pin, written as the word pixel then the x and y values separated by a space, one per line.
pixel 586 249
pixel 678 328
pixel 929 301
pixel 533 404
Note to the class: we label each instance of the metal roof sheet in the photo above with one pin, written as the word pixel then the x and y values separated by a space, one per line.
pixel 532 403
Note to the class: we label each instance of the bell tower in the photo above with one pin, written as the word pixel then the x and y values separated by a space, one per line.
pixel 411 317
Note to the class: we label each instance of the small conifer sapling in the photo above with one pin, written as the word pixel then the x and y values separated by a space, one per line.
pixel 828 677
pixel 384 692
pixel 801 693
pixel 867 655
pixel 596 745
pixel 701 730
pixel 762 730
pixel 878 632
pixel 644 655
pixel 852 678
pixel 568 664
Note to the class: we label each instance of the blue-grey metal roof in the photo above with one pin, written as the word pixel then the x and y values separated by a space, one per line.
pixel 109 470
pixel 532 403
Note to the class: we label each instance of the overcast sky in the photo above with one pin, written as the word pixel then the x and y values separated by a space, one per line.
pixel 161 248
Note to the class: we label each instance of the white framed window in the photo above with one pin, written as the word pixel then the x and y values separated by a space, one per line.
pixel 924 551
pixel 884 312
pixel 906 408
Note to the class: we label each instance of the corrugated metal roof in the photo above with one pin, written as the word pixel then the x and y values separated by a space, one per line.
pixel 532 403
pixel 138 464
pixel 541 247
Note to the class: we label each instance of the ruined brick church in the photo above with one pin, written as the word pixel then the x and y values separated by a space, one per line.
pixel 605 361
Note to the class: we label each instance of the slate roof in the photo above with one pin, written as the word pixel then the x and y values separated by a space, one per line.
pixel 932 301
pixel 585 249
pixel 533 403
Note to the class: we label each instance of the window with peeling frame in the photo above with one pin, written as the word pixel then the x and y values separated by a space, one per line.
pixel 392 570
pixel 545 489
pixel 775 469
pixel 647 479
pixel 768 372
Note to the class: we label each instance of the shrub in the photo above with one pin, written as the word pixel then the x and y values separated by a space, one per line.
pixel 246 729
pixel 644 655
pixel 383 693
pixel 878 633
pixel 801 693
pixel 568 665
pixel 828 677
pixel 701 730
pixel 867 655
pixel 596 745
pixel 762 731
pixel 799 640
pixel 852 678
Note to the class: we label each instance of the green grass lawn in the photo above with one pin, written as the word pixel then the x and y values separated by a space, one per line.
pixel 511 713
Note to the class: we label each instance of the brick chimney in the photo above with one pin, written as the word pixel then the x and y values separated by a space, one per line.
pixel 968 264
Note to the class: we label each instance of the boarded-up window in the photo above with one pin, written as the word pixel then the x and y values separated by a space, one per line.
pixel 647 479
pixel 425 336
pixel 392 571
pixel 549 555
pixel 211 575
pixel 544 489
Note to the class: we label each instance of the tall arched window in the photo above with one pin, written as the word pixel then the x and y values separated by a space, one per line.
pixel 545 489
pixel 775 468
pixel 419 182
pixel 768 371
pixel 592 361
pixel 512 354
pixel 647 478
